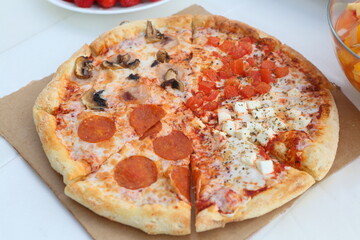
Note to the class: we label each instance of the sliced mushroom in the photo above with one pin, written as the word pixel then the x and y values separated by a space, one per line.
pixel 126 61
pixel 110 65
pixel 162 56
pixel 170 74
pixel 124 58
pixel 152 35
pixel 134 64
pixel 170 79
pixel 173 83
pixel 133 76
pixel 83 67
pixel 92 100
pixel 155 63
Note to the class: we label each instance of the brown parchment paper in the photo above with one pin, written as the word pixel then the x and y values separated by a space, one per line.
pixel 17 127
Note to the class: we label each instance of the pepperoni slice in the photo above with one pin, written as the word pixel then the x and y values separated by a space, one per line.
pixel 135 172
pixel 144 117
pixel 96 129
pixel 174 146
pixel 152 131
pixel 180 179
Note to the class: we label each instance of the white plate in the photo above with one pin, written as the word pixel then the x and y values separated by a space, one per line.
pixel 95 9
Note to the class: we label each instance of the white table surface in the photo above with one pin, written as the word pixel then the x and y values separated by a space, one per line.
pixel 36 37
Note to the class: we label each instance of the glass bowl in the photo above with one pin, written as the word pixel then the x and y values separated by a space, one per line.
pixel 348 59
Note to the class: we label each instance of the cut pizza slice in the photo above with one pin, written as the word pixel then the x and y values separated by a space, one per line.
pixel 136 187
pixel 154 52
pixel 147 183
pixel 236 180
pixel 255 88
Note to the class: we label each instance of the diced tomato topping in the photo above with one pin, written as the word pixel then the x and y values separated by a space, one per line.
pixel 247 91
pixel 281 72
pixel 231 91
pixel 225 73
pixel 237 67
pixel 210 106
pixel 262 88
pixel 268 64
pixel 226 60
pixel 213 41
pixel 227 45
pixel 206 86
pixel 211 74
pixel 232 82
pixel 266 75
pixel 212 96
pixel 255 76
pixel 194 102
pixel 246 46
pixel 237 52
pixel 251 61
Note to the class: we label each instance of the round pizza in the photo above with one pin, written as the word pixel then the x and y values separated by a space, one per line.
pixel 151 108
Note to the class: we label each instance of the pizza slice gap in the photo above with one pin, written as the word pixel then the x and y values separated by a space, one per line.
pixel 136 187
pixel 236 180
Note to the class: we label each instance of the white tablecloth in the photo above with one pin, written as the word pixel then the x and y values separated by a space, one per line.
pixel 36 37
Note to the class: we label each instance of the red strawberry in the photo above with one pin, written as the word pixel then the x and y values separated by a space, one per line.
pixel 154 0
pixel 106 3
pixel 129 3
pixel 68 0
pixel 84 3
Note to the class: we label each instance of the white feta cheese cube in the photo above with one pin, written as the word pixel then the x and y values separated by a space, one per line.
pixel 255 127
pixel 269 112
pixel 243 133
pixel 262 138
pixel 293 93
pixel 228 126
pixel 240 107
pixel 265 166
pixel 248 157
pixel 277 125
pixel 253 104
pixel 219 133
pixel 197 123
pixel 258 113
pixel 223 114
pixel 301 122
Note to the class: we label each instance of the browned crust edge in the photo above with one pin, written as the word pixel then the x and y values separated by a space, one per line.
pixel 294 185
pixel 173 219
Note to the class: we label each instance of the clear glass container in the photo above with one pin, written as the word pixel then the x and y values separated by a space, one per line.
pixel 348 59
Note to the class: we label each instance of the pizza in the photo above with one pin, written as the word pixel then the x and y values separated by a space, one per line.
pixel 155 110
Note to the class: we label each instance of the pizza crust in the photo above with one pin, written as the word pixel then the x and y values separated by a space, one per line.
pixel 130 30
pixel 46 103
pixel 55 150
pixel 51 96
pixel 173 219
pixel 320 155
pixel 294 185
